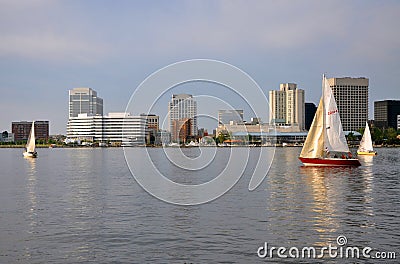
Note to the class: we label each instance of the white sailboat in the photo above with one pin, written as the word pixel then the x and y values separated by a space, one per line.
pixel 365 147
pixel 30 147
pixel 326 143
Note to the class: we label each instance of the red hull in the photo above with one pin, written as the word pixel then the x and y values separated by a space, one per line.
pixel 329 162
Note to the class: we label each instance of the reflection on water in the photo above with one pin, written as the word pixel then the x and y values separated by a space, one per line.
pixel 325 202
pixel 31 207
pixel 82 205
pixel 367 189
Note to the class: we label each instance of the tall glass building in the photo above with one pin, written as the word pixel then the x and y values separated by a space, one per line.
pixel 84 101
pixel 386 113
pixel 182 107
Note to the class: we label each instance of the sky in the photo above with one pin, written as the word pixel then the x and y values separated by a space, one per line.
pixel 49 47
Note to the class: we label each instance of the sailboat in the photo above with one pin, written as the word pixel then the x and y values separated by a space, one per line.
pixel 365 147
pixel 30 151
pixel 326 143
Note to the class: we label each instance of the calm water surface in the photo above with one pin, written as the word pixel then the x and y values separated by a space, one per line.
pixel 82 205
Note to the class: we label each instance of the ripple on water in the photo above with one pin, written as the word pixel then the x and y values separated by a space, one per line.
pixel 82 205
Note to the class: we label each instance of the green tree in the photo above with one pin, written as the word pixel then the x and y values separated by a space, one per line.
pixel 351 137
pixel 377 135
pixel 222 137
pixel 391 135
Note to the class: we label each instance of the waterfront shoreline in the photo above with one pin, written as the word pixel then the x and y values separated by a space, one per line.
pixel 76 146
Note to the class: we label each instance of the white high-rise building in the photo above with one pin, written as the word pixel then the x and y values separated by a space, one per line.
pixel 84 101
pixel 351 96
pixel 183 106
pixel 287 106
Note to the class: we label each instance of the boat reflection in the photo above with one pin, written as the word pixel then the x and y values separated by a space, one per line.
pixel 333 187
pixel 366 161
pixel 31 213
pixel 364 190
pixel 31 191
pixel 325 204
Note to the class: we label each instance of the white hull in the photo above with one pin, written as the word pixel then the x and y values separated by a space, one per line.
pixel 30 154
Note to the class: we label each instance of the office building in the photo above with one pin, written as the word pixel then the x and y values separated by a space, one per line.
pixel 309 112
pixel 202 132
pixel 262 134
pixel 287 106
pixel 119 128
pixel 226 117
pixel 398 122
pixel 386 112
pixel 152 121
pixel 84 101
pixel 181 130
pixel 22 129
pixel 163 137
pixel 181 108
pixel 351 96
pixel 6 137
pixel 152 127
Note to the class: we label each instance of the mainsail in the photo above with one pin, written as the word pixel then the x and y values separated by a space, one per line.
pixel 335 139
pixel 314 144
pixel 366 141
pixel 30 145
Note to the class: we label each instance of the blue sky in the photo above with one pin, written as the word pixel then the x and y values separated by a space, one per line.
pixel 49 47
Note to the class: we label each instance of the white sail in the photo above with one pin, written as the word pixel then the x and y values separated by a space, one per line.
pixel 366 141
pixel 314 144
pixel 335 139
pixel 30 145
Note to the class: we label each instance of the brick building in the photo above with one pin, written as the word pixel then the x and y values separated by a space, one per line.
pixel 21 130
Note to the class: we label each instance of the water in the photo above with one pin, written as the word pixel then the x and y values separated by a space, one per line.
pixel 82 205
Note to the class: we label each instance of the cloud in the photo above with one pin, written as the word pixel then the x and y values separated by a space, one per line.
pixel 362 29
pixel 85 32
pixel 42 30
pixel 49 46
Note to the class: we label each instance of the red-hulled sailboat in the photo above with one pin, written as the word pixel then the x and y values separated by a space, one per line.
pixel 326 143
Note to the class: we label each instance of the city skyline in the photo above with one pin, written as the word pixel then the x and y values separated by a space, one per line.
pixel 48 48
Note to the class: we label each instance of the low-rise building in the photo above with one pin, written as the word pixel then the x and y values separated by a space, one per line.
pixel 7 137
pixel 163 137
pixel 152 127
pixel 121 128
pixel 22 129
pixel 263 133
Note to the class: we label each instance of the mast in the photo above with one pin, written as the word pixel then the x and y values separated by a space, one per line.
pixel 323 111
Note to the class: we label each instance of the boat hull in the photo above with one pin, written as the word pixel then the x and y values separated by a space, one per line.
pixel 373 153
pixel 30 154
pixel 329 162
